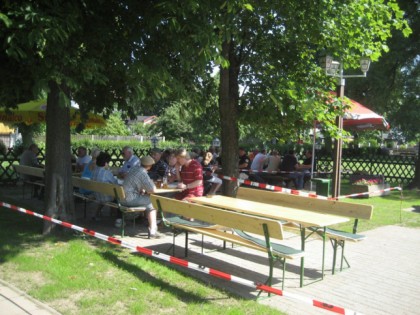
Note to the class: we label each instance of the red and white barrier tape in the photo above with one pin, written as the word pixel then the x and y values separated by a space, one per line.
pixel 299 192
pixel 273 188
pixel 371 192
pixel 186 264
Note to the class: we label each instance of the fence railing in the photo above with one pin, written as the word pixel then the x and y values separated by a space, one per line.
pixel 393 168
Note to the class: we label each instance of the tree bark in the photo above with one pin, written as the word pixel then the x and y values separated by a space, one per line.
pixel 27 133
pixel 59 201
pixel 228 103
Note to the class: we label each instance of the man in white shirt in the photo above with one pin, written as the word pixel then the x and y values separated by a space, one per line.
pixel 274 161
pixel 130 160
pixel 259 161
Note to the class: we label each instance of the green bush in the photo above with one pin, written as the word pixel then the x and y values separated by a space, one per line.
pixel 118 145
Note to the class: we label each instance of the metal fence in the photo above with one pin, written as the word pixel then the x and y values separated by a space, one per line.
pixel 393 168
pixel 7 171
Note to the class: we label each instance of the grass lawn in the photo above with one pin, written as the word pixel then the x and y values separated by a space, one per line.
pixel 81 275
pixel 387 210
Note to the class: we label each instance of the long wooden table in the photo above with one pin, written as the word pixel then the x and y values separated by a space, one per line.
pixel 303 218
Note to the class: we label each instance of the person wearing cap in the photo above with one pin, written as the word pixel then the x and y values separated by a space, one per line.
pixel 190 176
pixel 137 187
pixel 160 168
pixel 130 160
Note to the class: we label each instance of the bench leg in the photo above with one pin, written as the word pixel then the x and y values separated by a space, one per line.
pixel 343 258
pixel 122 226
pixel 186 243
pixel 334 244
pixel 173 242
pixel 85 209
pixel 283 261
pixel 323 250
pixel 302 259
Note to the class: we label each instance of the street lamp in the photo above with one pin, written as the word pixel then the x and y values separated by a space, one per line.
pixel 154 140
pixel 216 142
pixel 335 69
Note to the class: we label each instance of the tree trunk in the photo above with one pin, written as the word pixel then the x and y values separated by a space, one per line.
pixel 59 201
pixel 228 102
pixel 27 133
pixel 416 180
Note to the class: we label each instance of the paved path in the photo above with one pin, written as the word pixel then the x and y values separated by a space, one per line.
pixel 383 278
pixel 15 302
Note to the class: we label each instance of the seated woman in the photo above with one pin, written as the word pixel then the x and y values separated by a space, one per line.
pixel 209 166
pixel 88 170
pixel 190 176
pixel 101 173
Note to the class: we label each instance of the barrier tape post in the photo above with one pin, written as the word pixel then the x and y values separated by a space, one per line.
pixel 186 263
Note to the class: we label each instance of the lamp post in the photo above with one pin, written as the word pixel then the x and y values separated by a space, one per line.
pixel 154 141
pixel 335 69
pixel 216 142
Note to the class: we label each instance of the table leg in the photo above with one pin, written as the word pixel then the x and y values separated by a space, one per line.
pixel 302 259
pixel 323 250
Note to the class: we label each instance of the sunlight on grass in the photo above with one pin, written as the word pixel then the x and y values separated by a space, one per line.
pixel 81 275
pixel 387 210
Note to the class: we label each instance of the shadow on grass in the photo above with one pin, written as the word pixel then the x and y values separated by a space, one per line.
pixel 18 230
pixel 136 271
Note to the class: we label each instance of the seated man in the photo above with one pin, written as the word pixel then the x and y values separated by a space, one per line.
pixel 30 158
pixel 273 161
pixel 244 164
pixel 208 173
pixel 290 165
pixel 160 168
pixel 137 187
pixel 306 166
pixel 244 161
pixel 190 176
pixel 130 160
pixel 259 161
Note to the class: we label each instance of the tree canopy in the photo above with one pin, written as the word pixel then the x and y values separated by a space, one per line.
pixel 144 55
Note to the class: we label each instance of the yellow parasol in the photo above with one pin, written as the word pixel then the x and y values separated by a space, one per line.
pixel 35 112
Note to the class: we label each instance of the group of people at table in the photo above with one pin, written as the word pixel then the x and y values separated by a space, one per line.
pixel 139 176
pixel 188 171
pixel 288 168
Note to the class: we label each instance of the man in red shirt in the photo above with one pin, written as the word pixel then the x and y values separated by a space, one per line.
pixel 190 176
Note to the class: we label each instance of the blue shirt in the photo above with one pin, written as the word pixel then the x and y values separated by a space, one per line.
pixel 133 161
pixel 101 174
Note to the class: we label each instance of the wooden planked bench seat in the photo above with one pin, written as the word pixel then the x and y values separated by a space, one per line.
pixel 113 190
pixel 340 208
pixel 228 226
pixel 27 174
